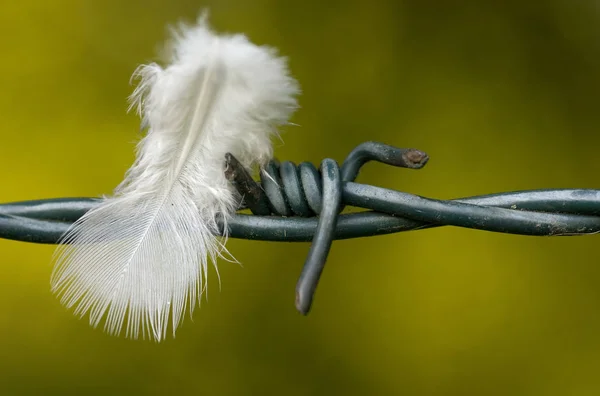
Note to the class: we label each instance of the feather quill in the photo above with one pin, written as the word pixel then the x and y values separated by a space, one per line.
pixel 139 261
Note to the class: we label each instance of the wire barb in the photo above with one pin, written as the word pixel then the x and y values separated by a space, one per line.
pixel 304 191
pixel 302 203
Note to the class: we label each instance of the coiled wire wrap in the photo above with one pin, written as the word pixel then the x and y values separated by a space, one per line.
pixel 301 203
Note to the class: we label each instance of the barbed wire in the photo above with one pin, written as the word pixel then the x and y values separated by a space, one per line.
pixel 302 203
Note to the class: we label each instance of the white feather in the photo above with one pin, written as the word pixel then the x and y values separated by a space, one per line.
pixel 140 259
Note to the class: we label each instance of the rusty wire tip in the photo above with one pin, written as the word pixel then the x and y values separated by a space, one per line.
pixel 415 159
pixel 251 194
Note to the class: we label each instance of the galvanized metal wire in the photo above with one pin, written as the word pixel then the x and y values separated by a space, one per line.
pixel 302 203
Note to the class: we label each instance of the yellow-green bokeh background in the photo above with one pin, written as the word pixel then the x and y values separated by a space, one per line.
pixel 503 95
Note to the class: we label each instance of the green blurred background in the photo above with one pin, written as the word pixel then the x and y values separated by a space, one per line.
pixel 503 95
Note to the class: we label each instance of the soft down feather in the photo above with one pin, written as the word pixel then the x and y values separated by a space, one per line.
pixel 140 259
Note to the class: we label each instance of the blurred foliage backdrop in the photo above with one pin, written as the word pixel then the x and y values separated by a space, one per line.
pixel 502 95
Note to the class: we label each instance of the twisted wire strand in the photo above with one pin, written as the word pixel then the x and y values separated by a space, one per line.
pixel 302 203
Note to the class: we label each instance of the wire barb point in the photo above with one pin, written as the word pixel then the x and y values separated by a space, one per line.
pixel 415 159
